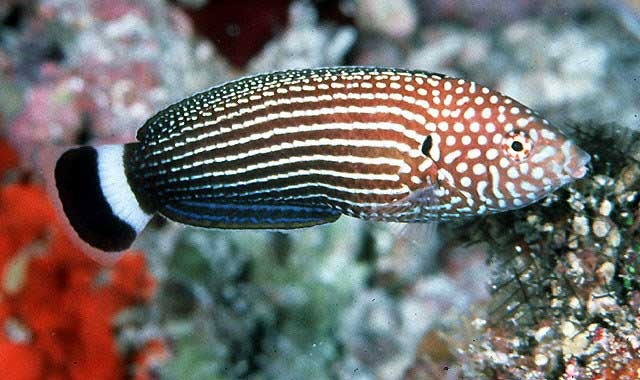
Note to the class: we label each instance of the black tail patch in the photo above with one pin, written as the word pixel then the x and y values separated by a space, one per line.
pixel 85 205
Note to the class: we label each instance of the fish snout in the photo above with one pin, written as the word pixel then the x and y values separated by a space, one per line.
pixel 576 162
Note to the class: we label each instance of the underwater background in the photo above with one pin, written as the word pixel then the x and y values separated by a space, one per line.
pixel 550 291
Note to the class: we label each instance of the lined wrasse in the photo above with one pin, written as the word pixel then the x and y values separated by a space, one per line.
pixel 299 148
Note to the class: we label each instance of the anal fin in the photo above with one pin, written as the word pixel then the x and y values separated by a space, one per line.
pixel 248 216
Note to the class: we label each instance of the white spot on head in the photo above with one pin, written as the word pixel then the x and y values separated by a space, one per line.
pixel 492 154
pixel 480 187
pixel 513 172
pixel 426 164
pixel 416 179
pixel 466 140
pixel 478 100
pixel 462 167
pixel 537 173
pixel 547 134
pixel 517 202
pixel 465 181
pixel 450 140
pixel 490 127
pixel 545 153
pixel 458 127
pixel 482 140
pixel 443 126
pixel 527 186
pixel 474 127
pixel 450 157
pixel 495 181
pixel 504 162
pixel 497 138
pixel 486 113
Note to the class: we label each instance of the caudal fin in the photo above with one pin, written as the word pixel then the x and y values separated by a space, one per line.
pixel 96 197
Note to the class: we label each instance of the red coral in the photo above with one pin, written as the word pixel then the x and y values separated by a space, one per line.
pixel 8 158
pixel 57 306
pixel 154 353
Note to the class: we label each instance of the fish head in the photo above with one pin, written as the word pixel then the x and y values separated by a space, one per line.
pixel 507 162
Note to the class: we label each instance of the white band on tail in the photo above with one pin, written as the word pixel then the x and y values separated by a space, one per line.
pixel 116 189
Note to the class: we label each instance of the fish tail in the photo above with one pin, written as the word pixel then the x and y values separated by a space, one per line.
pixel 98 198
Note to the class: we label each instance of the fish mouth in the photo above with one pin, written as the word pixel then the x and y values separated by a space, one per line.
pixel 576 166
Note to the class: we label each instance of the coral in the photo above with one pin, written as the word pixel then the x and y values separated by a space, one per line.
pixel 116 63
pixel 57 305
pixel 304 43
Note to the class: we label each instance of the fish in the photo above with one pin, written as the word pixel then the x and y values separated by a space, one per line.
pixel 299 148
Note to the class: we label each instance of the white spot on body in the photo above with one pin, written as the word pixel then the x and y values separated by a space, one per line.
pixel 537 173
pixel 474 153
pixel 479 169
pixel 462 167
pixel 450 157
pixel 469 113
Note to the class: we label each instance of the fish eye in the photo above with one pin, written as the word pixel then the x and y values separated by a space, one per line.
pixel 426 145
pixel 518 145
